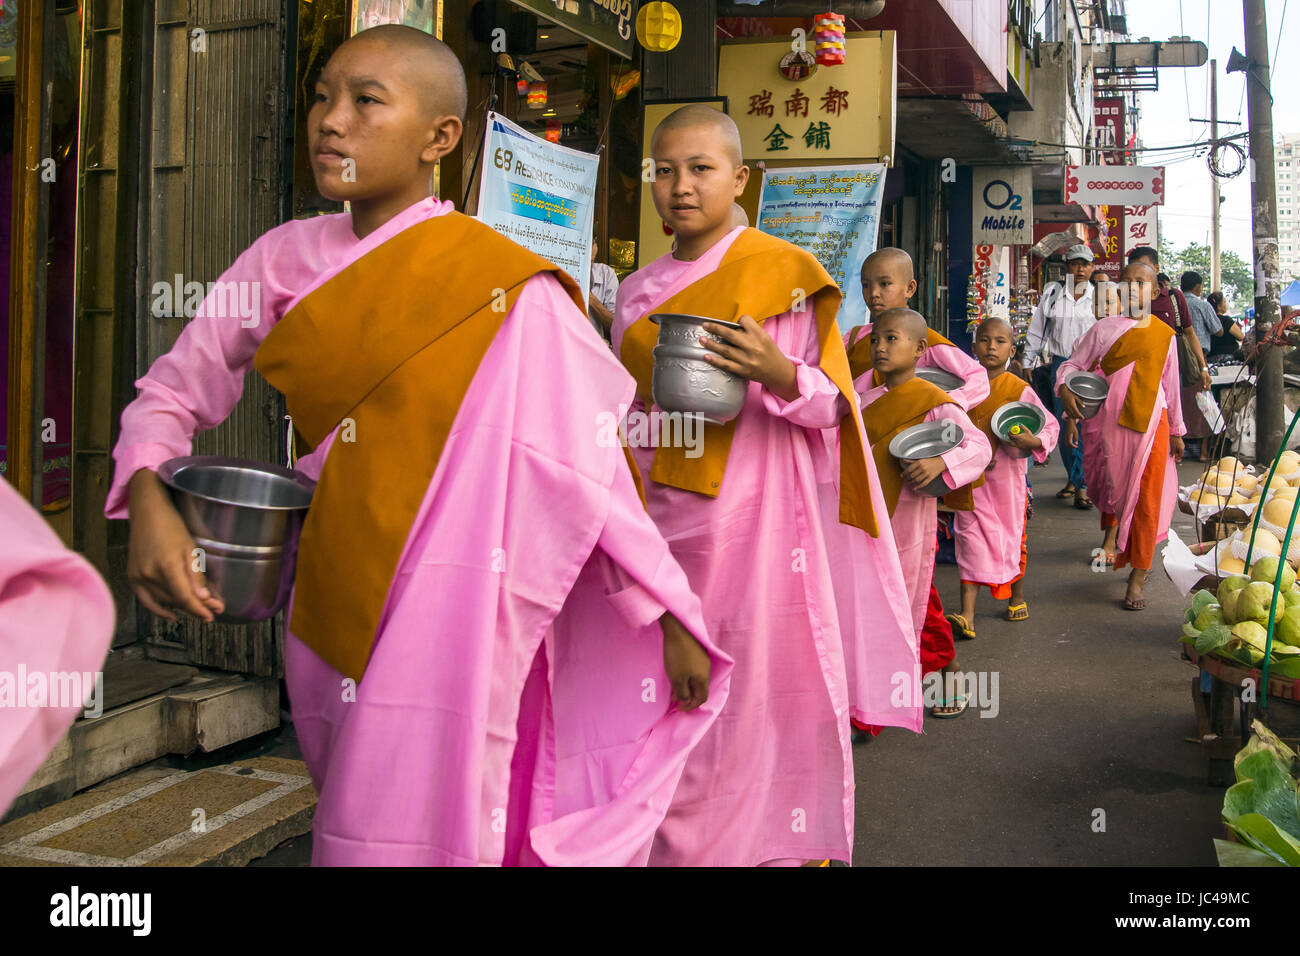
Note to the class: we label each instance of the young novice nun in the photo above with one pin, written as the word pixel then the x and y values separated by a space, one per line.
pixel 772 782
pixel 56 618
pixel 991 541
pixel 889 282
pixel 902 400
pixel 485 662
pixel 1138 426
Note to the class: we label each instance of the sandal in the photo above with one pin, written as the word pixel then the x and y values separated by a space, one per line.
pixel 959 701
pixel 1067 492
pixel 960 627
pixel 1018 612
pixel 1083 502
pixel 1131 605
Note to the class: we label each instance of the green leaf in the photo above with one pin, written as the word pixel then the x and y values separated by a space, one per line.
pixel 1190 615
pixel 1264 787
pixel 1261 834
pixel 1190 634
pixel 1213 637
pixel 1288 666
pixel 1238 854
pixel 1202 598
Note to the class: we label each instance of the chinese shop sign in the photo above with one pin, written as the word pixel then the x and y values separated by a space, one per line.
pixel 839 113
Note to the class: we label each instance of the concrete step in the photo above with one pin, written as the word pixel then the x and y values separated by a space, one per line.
pixel 208 711
pixel 219 816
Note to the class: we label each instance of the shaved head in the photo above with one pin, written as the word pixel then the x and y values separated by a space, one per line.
pixel 1138 270
pixel 697 116
pixel 907 321
pixel 896 260
pixel 738 215
pixel 992 322
pixel 429 65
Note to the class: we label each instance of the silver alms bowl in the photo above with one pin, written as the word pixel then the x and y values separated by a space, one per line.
pixel 928 440
pixel 683 381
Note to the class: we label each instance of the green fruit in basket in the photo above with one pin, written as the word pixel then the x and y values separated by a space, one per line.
pixel 1286 629
pixel 1252 640
pixel 1292 597
pixel 1211 614
pixel 1265 569
pixel 1229 606
pixel 1254 601
pixel 1234 583
pixel 1283 650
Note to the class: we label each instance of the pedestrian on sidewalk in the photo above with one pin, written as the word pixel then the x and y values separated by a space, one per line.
pixel 1138 426
pixel 1207 327
pixel 992 540
pixel 1065 313
pixel 481 604
pixel 889 282
pixel 898 340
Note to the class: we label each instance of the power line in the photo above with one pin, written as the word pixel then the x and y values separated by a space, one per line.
pixel 1187 96
pixel 1277 45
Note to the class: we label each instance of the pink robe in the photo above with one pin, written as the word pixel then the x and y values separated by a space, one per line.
pixel 515 707
pixel 56 618
pixel 948 358
pixel 773 780
pixel 1122 452
pixel 916 516
pixel 988 538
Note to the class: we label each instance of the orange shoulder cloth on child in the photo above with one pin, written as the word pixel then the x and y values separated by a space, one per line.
pixel 758 276
pixel 1147 349
pixel 1003 390
pixel 392 342
pixel 860 353
pixel 895 411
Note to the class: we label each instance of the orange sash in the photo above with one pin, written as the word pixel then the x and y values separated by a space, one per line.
pixel 758 276
pixel 896 410
pixel 1004 389
pixel 1146 349
pixel 392 343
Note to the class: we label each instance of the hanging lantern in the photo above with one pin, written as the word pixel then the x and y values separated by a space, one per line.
pixel 553 129
pixel 659 27
pixel 521 87
pixel 828 38
pixel 537 96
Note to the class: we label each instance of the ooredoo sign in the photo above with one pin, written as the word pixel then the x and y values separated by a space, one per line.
pixel 1115 185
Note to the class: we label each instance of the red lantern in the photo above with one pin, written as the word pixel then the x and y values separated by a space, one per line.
pixel 537 96
pixel 553 129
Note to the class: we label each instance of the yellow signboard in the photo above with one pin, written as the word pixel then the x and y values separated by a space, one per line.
pixel 839 113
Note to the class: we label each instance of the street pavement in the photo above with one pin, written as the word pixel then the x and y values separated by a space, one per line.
pixel 1094 710
pixel 1094 705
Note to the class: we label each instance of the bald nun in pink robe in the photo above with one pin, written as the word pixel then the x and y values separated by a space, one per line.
pixel 773 780
pixel 515 708
pixel 56 621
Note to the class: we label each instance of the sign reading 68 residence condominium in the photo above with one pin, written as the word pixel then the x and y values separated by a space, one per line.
pixel 1115 185
pixel 1002 205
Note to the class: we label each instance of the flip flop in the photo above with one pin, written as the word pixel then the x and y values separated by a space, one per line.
pixel 1066 492
pixel 960 627
pixel 959 700
pixel 1083 502
pixel 1139 605
pixel 1018 612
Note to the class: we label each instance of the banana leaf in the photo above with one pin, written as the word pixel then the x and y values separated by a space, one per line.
pixel 1264 787
pixel 1261 738
pixel 1238 854
pixel 1261 834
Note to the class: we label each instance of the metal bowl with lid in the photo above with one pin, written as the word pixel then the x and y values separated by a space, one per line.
pixel 246 516
pixel 928 440
pixel 683 380
pixel 1090 390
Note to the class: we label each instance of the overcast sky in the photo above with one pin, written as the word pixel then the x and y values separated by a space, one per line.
pixel 1185 217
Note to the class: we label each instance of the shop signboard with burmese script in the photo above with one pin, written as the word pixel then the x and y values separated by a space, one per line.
pixel 608 23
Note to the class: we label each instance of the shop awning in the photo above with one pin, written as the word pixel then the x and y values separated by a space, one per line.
pixel 966 130
pixel 1291 295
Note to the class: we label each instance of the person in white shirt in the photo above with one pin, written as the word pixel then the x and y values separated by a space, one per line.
pixel 1064 314
pixel 604 293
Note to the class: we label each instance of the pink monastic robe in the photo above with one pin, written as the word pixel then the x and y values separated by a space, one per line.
pixel 916 517
pixel 515 707
pixel 773 780
pixel 948 358
pixel 1122 452
pixel 56 619
pixel 988 538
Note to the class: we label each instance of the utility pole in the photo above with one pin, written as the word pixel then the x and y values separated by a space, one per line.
pixel 1269 407
pixel 1215 274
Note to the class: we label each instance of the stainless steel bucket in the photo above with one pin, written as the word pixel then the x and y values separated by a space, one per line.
pixel 683 381
pixel 1090 390
pixel 246 516
pixel 937 376
pixel 928 440
pixel 1025 414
